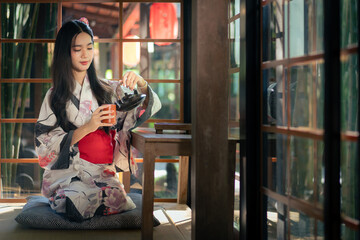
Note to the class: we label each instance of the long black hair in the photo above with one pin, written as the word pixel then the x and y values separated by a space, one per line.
pixel 62 74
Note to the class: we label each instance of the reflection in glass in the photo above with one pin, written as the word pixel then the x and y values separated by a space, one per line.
pixel 169 94
pixel 348 22
pixel 349 178
pixel 26 60
pixel 276 218
pixel 234 8
pixel 152 20
pixel 234 106
pixel 274 99
pixel 17 140
pixel 320 171
pixel 307 95
pixel 302 168
pixel 234 92
pixel 306 27
pixel 301 88
pixel 28 96
pixel 349 93
pixel 273 31
pixel 106 60
pixel 270 161
pixel 237 189
pixel 28 20
pixel 275 161
pixel 320 229
pixel 158 62
pixel 320 95
pixel 103 16
pixel 301 225
pixel 234 37
pixel 165 180
pixel 348 233
pixel 20 180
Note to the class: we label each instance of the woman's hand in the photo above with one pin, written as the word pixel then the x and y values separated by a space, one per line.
pixel 130 80
pixel 96 119
pixel 93 124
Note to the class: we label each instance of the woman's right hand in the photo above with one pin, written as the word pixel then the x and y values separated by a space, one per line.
pixel 96 119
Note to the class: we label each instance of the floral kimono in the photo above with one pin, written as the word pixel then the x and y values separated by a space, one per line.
pixel 80 180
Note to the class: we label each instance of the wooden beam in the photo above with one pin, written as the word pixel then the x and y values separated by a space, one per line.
pixel 211 179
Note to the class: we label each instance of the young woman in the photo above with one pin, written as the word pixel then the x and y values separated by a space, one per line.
pixel 79 152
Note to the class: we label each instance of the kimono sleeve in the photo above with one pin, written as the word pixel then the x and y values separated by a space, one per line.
pixel 127 121
pixel 52 147
pixel 137 116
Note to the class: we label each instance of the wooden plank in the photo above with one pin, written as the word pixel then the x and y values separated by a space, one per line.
pixel 167 228
pixel 183 179
pixel 180 216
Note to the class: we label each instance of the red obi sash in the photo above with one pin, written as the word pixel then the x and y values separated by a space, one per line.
pixel 97 147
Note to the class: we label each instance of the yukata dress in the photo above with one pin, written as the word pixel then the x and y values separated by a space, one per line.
pixel 80 180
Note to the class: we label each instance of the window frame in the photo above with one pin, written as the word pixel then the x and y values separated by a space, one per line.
pixel 120 40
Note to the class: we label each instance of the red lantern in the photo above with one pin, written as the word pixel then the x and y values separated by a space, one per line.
pixel 163 22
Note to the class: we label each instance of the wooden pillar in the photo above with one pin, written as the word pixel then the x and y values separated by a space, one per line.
pixel 211 191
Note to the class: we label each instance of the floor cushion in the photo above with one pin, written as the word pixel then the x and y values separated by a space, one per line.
pixel 37 213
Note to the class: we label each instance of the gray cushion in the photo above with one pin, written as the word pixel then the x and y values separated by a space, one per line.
pixel 37 213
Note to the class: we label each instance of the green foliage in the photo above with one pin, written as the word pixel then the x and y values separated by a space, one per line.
pixel 19 21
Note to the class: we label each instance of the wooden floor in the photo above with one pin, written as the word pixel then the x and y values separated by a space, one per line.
pixel 175 222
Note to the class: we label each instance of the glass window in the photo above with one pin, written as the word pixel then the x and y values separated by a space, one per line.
pixel 234 8
pixel 348 27
pixel 276 219
pixel 234 32
pixel 273 31
pixel 275 161
pixel 28 33
pixel 301 225
pixel 23 100
pixel 165 179
pixel 103 16
pixel 20 20
pixel 306 31
pixel 293 109
pixel 153 61
pixel 17 140
pixel 106 59
pixel 26 60
pixel 302 168
pixel 349 93
pixel 169 93
pixel 20 180
pixel 152 20
pixel 274 98
pixel 349 178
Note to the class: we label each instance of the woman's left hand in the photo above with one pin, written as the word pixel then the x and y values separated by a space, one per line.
pixel 130 79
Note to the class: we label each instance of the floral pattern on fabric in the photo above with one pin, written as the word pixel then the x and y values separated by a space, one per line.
pixel 76 187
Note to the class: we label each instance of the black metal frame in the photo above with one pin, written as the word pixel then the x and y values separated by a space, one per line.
pixel 332 205
pixel 250 199
pixel 358 127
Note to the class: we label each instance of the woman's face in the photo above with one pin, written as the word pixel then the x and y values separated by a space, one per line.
pixel 82 52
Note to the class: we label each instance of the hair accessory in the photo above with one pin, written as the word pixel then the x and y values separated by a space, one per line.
pixel 84 20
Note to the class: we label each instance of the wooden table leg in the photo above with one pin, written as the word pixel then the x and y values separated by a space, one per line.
pixel 183 180
pixel 148 193
pixel 126 181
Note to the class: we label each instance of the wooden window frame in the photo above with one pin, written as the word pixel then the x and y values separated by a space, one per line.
pixel 119 40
